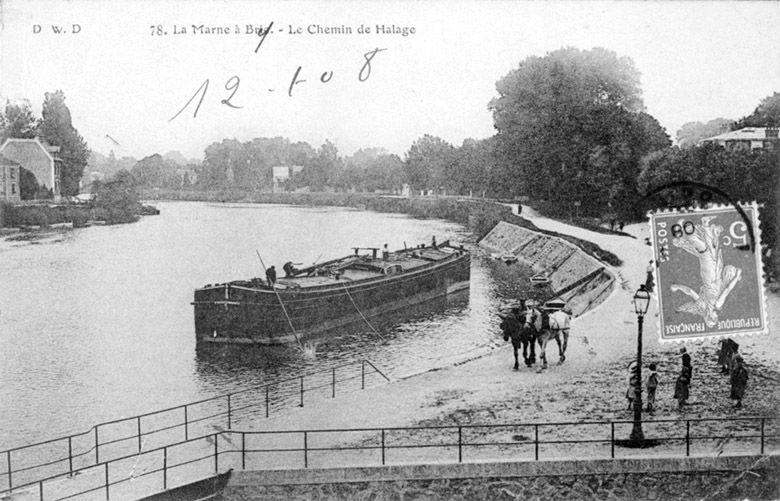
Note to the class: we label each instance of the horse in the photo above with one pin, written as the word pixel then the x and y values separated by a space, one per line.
pixel 556 327
pixel 513 326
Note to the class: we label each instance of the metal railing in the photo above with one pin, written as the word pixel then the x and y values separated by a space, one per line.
pixel 259 450
pixel 152 430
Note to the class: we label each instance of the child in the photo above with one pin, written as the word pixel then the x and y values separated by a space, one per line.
pixel 651 382
pixel 633 384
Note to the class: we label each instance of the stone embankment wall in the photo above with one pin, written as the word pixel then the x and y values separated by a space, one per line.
pixel 564 262
pixel 741 477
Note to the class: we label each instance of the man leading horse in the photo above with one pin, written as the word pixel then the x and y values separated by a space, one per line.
pixel 549 326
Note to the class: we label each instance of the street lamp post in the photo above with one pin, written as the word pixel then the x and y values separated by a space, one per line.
pixel 641 303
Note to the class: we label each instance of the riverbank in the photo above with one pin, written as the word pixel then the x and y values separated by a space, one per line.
pixel 478 214
pixel 34 216
pixel 589 386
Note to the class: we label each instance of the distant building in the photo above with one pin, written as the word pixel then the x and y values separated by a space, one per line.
pixel 282 173
pixel 749 138
pixel 187 177
pixel 39 158
pixel 9 180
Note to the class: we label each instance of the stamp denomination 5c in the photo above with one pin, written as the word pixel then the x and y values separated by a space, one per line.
pixel 710 281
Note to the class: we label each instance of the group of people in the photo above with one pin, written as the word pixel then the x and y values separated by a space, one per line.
pixel 728 358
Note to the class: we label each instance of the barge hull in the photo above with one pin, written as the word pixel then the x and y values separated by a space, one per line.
pixel 243 315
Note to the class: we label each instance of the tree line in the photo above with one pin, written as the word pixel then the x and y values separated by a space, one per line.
pixel 571 133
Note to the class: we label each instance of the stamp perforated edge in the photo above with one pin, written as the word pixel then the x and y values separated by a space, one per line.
pixel 757 251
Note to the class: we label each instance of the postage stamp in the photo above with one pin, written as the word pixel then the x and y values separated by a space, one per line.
pixel 709 273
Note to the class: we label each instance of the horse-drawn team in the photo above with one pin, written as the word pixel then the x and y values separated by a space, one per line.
pixel 530 324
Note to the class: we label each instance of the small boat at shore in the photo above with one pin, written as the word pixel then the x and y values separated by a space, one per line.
pixel 328 295
pixel 539 279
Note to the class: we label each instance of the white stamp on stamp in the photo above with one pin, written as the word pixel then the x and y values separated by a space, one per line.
pixel 710 280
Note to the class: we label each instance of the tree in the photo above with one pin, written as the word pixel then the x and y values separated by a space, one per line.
pixel 324 169
pixel 426 162
pixel 571 123
pixel 767 114
pixel 385 172
pixel 156 172
pixel 57 129
pixel 470 168
pixel 117 200
pixel 17 121
pixel 225 165
pixel 692 132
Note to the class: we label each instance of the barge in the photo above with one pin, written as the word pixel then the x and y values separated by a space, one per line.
pixel 329 295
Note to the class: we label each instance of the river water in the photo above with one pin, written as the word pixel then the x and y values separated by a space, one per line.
pixel 96 323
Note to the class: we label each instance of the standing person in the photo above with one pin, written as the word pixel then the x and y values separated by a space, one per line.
pixel 651 383
pixel 683 380
pixel 270 274
pixel 739 378
pixel 633 384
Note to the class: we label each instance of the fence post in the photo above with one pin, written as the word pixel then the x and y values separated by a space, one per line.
pixel 70 455
pixel 536 442
pixel 8 459
pixel 139 433
pixel 305 449
pixel 266 401
pixel 229 411
pixel 97 446
pixel 687 437
pixel 383 447
pixel 301 391
pixel 334 383
pixel 612 439
pixel 362 374
pixel 165 468
pixel 107 483
pixel 216 453
pixel 243 450
pixel 762 435
pixel 460 444
pixel 186 425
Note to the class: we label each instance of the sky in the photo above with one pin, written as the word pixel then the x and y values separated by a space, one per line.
pixel 133 86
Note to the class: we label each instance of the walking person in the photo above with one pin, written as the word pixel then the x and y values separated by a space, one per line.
pixel 739 378
pixel 651 383
pixel 681 386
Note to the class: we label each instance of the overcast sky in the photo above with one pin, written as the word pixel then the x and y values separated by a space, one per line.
pixel 698 60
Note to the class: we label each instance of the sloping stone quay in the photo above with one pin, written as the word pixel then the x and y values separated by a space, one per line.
pixel 752 477
pixel 564 263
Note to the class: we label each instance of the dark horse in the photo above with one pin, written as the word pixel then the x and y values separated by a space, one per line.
pixel 514 327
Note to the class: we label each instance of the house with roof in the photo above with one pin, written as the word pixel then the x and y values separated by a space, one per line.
pixel 39 158
pixel 9 180
pixel 748 138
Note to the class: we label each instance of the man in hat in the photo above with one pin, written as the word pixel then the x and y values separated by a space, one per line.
pixel 739 377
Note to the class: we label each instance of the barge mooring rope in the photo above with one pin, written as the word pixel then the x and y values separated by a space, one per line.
pixel 273 287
